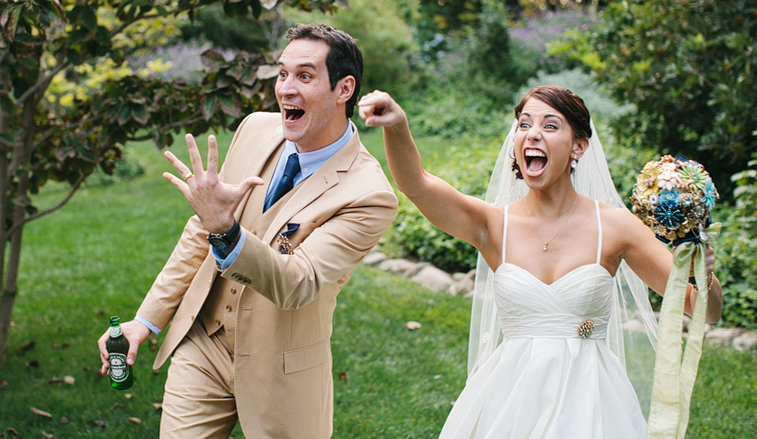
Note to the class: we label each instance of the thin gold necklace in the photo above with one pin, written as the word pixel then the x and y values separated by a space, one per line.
pixel 546 243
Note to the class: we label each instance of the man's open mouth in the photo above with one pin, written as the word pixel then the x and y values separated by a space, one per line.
pixel 293 113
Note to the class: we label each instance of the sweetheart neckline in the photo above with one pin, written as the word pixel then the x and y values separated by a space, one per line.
pixel 559 278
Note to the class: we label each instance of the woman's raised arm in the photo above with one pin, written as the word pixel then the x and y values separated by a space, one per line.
pixel 460 215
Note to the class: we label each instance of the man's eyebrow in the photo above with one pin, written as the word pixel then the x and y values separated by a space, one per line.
pixel 299 66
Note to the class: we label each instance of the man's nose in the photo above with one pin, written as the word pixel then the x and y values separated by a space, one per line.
pixel 285 86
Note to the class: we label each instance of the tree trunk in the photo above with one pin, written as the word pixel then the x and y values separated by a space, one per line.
pixel 23 149
pixel 6 301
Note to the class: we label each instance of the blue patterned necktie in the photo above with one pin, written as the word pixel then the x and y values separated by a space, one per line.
pixel 285 183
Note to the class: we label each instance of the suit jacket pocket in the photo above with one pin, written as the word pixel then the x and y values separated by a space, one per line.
pixel 305 358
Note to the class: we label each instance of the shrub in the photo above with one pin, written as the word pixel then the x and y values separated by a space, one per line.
pixel 736 251
pixel 128 168
pixel 468 169
pixel 539 31
pixel 689 69
pixel 454 112
pixel 213 25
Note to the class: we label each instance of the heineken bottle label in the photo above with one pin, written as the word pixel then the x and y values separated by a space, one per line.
pixel 115 331
pixel 119 370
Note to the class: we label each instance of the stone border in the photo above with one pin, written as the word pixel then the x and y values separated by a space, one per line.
pixel 458 284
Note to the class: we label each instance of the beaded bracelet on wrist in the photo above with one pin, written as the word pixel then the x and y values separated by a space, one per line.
pixel 711 277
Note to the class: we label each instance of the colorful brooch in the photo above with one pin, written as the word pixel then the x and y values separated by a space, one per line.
pixel 674 197
pixel 585 329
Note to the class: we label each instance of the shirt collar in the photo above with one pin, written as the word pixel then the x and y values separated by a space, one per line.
pixel 312 160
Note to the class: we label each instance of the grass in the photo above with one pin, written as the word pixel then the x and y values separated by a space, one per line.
pixel 98 255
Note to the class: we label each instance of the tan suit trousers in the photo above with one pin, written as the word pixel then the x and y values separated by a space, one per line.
pixel 199 399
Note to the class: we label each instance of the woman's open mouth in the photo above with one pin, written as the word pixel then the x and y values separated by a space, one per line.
pixel 536 160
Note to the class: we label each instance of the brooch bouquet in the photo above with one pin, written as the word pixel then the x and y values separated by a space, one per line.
pixel 674 197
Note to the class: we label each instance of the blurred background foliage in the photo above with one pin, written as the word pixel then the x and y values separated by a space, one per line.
pixel 659 76
pixel 87 88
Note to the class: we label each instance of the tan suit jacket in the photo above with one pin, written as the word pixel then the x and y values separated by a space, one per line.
pixel 282 352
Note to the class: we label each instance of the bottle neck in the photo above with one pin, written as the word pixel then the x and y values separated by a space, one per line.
pixel 115 331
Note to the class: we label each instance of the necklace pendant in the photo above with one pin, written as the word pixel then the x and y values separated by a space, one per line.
pixel 545 247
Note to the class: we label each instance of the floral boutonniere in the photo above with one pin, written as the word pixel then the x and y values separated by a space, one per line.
pixel 285 247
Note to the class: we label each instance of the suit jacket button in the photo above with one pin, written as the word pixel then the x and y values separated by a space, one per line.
pixel 218 323
pixel 233 291
pixel 228 308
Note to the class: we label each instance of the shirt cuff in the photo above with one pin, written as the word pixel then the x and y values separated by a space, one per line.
pixel 152 327
pixel 224 263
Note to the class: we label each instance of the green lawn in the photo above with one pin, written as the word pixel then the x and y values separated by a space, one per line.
pixel 98 255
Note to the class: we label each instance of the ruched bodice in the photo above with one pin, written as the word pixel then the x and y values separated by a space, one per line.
pixel 545 380
pixel 530 308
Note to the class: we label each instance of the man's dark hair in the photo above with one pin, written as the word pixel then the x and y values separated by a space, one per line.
pixel 344 57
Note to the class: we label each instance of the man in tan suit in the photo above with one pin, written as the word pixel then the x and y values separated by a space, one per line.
pixel 252 284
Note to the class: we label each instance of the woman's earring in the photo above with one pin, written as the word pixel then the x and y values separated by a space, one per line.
pixel 574 162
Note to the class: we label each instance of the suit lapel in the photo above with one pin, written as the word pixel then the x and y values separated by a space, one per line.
pixel 268 148
pixel 314 186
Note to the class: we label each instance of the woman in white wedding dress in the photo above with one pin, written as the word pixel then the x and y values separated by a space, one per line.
pixel 547 357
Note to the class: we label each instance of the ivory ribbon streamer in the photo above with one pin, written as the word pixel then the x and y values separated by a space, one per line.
pixel 674 379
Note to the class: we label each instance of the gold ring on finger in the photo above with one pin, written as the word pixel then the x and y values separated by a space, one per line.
pixel 187 176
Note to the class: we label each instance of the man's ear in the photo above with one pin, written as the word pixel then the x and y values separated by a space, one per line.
pixel 345 88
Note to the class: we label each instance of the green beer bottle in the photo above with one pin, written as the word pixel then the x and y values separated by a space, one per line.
pixel 121 377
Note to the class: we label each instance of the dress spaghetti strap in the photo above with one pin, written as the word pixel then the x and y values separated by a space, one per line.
pixel 504 235
pixel 599 233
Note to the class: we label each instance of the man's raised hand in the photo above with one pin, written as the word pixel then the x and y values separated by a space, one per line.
pixel 212 200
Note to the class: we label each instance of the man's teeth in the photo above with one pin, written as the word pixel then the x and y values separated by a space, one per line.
pixel 292 112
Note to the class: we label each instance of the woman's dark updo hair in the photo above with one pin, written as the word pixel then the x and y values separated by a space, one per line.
pixel 567 103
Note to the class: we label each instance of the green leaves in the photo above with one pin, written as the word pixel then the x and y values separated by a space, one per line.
pixel 689 69
pixel 83 16
pixel 6 105
pixel 9 18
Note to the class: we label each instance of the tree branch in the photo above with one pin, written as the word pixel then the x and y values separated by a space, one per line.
pixel 52 209
pixel 168 127
pixel 62 65
pixel 49 133
pixel 43 82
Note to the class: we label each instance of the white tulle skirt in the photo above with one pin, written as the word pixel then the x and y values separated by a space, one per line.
pixel 547 388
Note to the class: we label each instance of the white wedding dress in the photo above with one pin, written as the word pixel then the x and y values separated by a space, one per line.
pixel 544 381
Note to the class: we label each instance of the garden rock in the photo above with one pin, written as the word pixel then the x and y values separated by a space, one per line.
pixel 721 336
pixel 463 283
pixel 399 266
pixel 374 258
pixel 746 341
pixel 433 278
